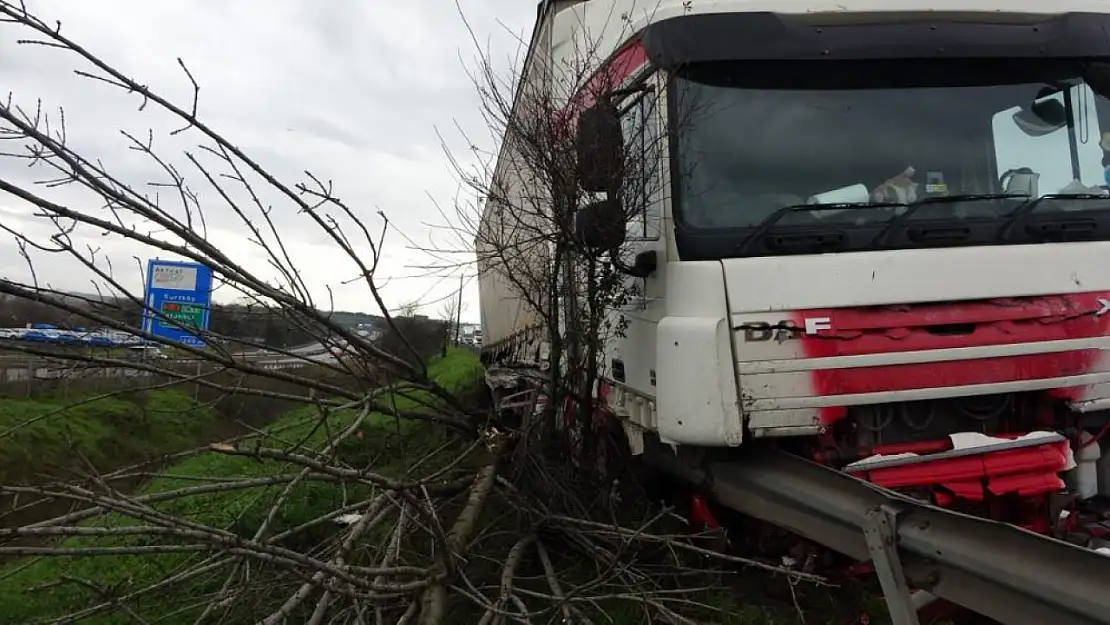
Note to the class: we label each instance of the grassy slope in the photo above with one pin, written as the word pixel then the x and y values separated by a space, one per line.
pixel 41 435
pixel 243 511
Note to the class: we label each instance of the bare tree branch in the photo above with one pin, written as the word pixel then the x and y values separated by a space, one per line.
pixel 371 480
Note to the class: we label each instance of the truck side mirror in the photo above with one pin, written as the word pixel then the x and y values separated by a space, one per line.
pixel 599 148
pixel 1044 115
pixel 600 225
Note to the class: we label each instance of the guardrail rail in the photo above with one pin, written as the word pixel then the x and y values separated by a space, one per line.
pixel 998 570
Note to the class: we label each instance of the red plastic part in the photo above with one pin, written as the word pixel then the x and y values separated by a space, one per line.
pixel 700 516
pixel 619 68
pixel 937 610
pixel 995 370
pixel 1027 472
pixel 1097 530
pixel 943 499
pixel 878 330
pixel 859 569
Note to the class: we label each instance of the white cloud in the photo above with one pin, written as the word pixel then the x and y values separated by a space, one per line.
pixel 352 90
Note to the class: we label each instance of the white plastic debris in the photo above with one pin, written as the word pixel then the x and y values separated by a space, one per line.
pixel 876 458
pixel 969 440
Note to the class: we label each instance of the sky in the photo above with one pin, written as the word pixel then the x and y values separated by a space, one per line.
pixel 359 92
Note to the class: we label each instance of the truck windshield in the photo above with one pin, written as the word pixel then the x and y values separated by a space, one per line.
pixel 884 142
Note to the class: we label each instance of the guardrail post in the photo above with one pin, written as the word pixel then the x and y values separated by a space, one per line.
pixel 881 534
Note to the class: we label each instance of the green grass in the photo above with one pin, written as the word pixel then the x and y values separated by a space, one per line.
pixel 385 444
pixel 49 436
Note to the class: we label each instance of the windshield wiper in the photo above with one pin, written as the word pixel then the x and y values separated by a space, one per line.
pixel 772 219
pixel 880 238
pixel 1021 212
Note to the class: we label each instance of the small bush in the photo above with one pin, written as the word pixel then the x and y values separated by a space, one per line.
pixel 428 337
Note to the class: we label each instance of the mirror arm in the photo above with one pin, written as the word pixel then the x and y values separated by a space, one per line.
pixel 645 264
pixel 621 267
pixel 620 94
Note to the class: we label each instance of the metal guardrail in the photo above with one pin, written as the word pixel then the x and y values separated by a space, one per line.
pixel 24 373
pixel 998 570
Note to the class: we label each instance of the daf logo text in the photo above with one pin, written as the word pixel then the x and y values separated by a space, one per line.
pixel 759 331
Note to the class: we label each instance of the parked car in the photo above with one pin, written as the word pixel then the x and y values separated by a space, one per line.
pixel 146 352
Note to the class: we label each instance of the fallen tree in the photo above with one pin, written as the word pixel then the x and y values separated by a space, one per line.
pixel 431 507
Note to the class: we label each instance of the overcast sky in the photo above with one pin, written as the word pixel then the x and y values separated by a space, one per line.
pixel 353 90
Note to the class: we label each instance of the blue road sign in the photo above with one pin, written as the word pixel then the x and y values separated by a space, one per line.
pixel 181 292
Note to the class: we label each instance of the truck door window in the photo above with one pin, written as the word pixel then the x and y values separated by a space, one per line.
pixel 642 180
pixel 1049 155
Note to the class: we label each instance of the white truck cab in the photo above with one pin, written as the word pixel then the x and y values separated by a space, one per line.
pixel 869 226
pixel 849 204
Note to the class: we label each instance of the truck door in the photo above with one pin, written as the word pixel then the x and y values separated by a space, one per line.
pixel 631 353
